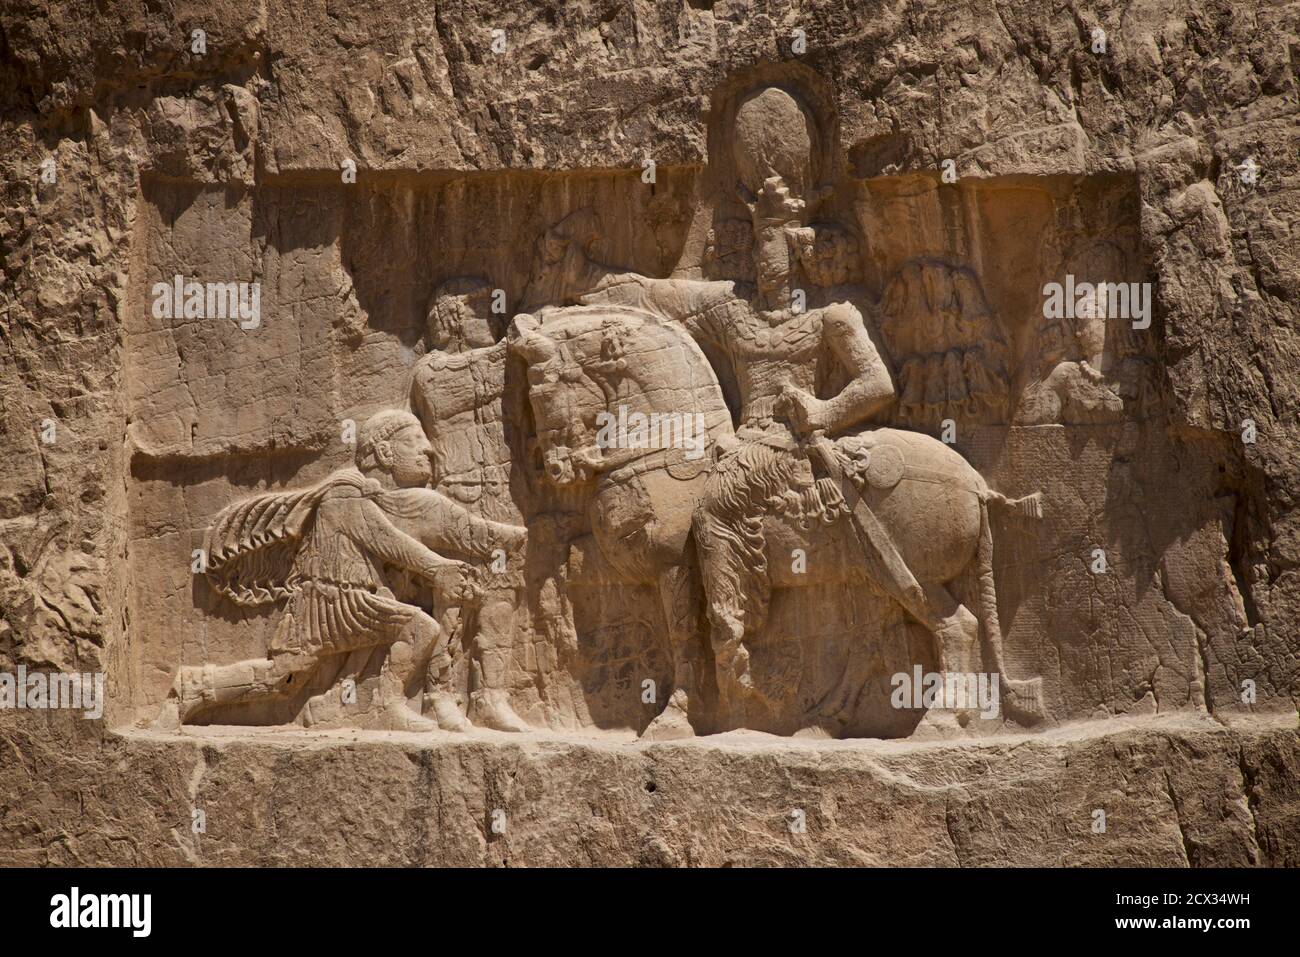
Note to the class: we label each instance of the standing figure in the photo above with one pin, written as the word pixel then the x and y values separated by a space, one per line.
pixel 460 394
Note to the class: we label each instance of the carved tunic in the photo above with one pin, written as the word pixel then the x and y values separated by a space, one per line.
pixel 341 600
pixel 340 595
pixel 459 399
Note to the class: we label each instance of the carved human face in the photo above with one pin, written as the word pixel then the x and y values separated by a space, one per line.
pixel 407 454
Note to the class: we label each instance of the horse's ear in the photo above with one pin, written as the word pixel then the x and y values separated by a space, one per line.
pixel 527 340
pixel 524 323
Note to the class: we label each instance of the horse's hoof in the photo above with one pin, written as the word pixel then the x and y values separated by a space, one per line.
pixel 814 732
pixel 942 724
pixel 1024 701
pixel 671 724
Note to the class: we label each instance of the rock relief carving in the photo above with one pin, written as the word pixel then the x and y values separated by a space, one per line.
pixel 472 415
pixel 1087 368
pixel 330 554
pixel 505 462
pixel 797 468
pixel 949 349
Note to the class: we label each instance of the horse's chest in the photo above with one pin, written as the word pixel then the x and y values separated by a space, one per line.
pixel 642 521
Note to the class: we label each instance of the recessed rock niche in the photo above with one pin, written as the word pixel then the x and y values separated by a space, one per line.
pixel 750 445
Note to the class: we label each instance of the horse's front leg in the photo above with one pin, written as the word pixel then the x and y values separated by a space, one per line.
pixel 725 579
pixel 680 600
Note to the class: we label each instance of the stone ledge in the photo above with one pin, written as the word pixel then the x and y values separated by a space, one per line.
pixel 1176 791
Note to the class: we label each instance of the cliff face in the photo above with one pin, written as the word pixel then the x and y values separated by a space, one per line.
pixel 132 148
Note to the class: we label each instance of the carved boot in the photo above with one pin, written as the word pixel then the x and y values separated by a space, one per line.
pixel 395 710
pixel 491 709
pixel 447 711
pixel 399 716
pixel 198 687
pixel 490 703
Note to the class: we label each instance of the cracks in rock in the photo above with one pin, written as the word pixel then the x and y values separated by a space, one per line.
pixel 1238 558
pixel 1251 799
pixel 1266 288
pixel 461 82
pixel 1188 844
pixel 1204 658
pixel 45 474
pixel 417 820
pixel 949 822
pixel 1019 46
pixel 192 849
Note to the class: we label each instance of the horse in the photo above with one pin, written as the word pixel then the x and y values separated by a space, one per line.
pixel 590 366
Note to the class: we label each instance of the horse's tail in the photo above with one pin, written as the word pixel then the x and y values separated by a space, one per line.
pixel 1024 697
pixel 1030 506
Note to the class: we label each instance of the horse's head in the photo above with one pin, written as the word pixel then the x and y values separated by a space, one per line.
pixel 563 398
pixel 609 384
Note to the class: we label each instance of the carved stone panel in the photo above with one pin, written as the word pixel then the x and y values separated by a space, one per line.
pixel 766 446
pixel 645 419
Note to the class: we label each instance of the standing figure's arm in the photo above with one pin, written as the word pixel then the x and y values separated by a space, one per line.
pixel 423 396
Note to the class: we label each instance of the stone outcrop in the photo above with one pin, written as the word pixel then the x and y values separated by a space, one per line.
pixel 1175 792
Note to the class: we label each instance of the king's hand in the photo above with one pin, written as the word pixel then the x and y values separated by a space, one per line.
pixel 805 412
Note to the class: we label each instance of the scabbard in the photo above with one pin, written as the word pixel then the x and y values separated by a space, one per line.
pixel 885 565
